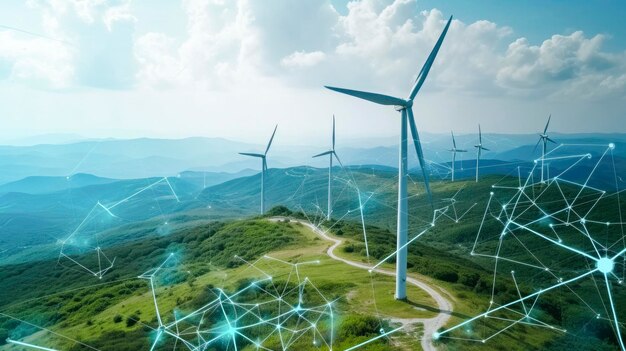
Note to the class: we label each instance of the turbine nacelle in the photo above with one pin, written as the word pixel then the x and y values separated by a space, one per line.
pixel 263 158
pixel 544 137
pixel 408 125
pixel 407 104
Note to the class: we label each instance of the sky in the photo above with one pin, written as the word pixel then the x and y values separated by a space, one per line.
pixel 234 69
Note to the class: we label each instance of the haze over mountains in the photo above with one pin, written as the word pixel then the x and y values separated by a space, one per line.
pixel 47 190
pixel 141 158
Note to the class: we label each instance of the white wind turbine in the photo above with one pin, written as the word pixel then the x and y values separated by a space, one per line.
pixel 543 137
pixel 263 157
pixel 454 150
pixel 330 154
pixel 404 106
pixel 479 149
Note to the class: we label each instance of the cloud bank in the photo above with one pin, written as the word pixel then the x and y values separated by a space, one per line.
pixel 229 51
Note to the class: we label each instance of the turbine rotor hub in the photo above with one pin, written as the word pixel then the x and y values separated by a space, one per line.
pixel 407 104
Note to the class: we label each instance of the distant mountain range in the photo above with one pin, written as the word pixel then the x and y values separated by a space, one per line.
pixel 143 158
pixel 46 191
pixel 38 212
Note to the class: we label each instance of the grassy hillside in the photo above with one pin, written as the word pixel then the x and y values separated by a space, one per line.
pixel 33 224
pixel 116 313
pixel 153 224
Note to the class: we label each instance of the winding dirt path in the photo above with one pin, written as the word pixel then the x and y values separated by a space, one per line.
pixel 430 324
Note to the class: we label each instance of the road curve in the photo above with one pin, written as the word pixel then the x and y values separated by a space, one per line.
pixel 430 324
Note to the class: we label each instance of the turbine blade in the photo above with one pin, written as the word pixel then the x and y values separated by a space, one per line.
pixel 251 154
pixel 550 140
pixel 480 135
pixel 324 153
pixel 453 141
pixel 484 148
pixel 545 130
pixel 420 154
pixel 338 160
pixel 537 145
pixel 429 62
pixel 373 97
pixel 461 150
pixel 271 139
pixel 333 132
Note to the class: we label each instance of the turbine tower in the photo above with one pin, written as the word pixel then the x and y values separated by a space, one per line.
pixel 263 157
pixel 454 150
pixel 543 137
pixel 479 149
pixel 330 154
pixel 404 106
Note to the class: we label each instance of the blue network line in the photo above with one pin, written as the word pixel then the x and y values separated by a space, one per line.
pixel 527 212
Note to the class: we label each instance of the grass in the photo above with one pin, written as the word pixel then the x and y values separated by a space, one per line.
pixel 441 259
pixel 467 303
pixel 97 321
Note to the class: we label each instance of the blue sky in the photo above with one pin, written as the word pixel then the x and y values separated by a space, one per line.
pixel 122 68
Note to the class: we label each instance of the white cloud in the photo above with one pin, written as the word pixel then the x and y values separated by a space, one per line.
pixel 566 64
pixel 300 59
pixel 120 13
pixel 378 44
pixel 36 61
pixel 228 41
pixel 219 47
pixel 83 43
pixel 155 55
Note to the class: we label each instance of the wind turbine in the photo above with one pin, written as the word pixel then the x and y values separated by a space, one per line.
pixel 404 106
pixel 543 137
pixel 263 157
pixel 330 154
pixel 479 149
pixel 454 150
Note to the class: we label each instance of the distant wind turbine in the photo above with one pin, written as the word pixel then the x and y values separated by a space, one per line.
pixel 454 150
pixel 330 154
pixel 404 106
pixel 479 149
pixel 543 137
pixel 263 157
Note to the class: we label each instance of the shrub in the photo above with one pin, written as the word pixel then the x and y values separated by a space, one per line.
pixel 359 326
pixel 279 211
pixel 469 279
pixel 118 318
pixel 132 320
pixel 447 276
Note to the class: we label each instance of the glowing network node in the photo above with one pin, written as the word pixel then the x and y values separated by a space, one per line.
pixel 587 254
pixel 232 317
pixel 605 265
